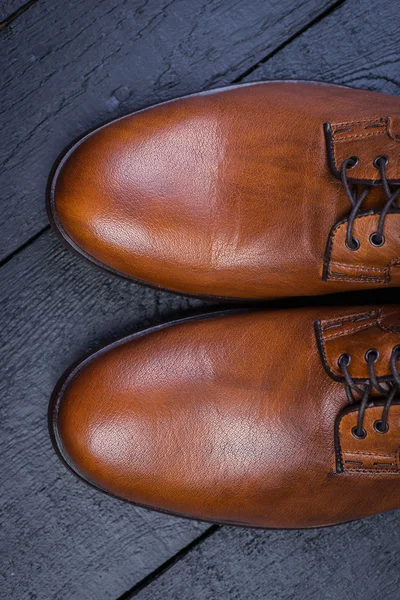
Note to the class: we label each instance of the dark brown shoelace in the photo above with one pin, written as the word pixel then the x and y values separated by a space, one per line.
pixel 390 390
pixel 356 199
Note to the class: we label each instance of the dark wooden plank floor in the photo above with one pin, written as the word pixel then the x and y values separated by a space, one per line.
pixel 65 67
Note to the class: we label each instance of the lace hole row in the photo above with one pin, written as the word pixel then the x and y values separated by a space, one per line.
pixel 345 359
pixel 378 427
pixel 353 161
pixel 377 240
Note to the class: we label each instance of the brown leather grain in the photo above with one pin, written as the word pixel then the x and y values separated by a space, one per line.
pixel 234 418
pixel 229 193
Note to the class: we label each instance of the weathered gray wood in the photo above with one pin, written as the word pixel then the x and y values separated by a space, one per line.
pixel 358 561
pixel 68 66
pixel 59 538
pixel 9 7
pixel 356 45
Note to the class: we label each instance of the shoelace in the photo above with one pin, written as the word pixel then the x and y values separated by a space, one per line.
pixel 390 390
pixel 357 198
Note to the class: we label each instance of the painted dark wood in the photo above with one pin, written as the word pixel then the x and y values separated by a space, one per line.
pixel 355 45
pixel 58 537
pixel 68 66
pixel 79 64
pixel 358 561
pixel 10 7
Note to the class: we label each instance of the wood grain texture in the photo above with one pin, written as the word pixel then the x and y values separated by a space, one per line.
pixel 356 45
pixel 9 7
pixel 79 64
pixel 357 561
pixel 68 66
pixel 59 538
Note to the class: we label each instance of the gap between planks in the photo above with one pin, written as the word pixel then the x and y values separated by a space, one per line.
pixel 20 11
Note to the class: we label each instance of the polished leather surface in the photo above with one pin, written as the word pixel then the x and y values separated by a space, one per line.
pixel 236 418
pixel 230 193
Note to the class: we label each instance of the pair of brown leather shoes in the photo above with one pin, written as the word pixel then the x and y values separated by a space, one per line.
pixel 286 418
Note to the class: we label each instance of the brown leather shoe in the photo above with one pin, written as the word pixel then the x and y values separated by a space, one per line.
pixel 264 419
pixel 244 192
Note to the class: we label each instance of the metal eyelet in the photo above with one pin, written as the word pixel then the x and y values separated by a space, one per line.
pixel 377 239
pixel 354 162
pixel 374 353
pixel 378 427
pixel 344 357
pixel 356 435
pixel 356 245
pixel 378 159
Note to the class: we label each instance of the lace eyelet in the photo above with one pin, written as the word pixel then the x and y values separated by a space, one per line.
pixel 373 353
pixel 356 435
pixel 378 159
pixel 355 246
pixel 396 350
pixel 353 163
pixel 344 360
pixel 378 427
pixel 377 239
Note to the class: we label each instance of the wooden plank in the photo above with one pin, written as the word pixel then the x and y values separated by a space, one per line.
pixel 9 8
pixel 349 47
pixel 358 561
pixel 59 538
pixel 68 66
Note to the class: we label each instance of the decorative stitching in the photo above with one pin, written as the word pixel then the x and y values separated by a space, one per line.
pixel 371 313
pixel 393 471
pixel 377 455
pixel 358 136
pixel 361 268
pixel 339 334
